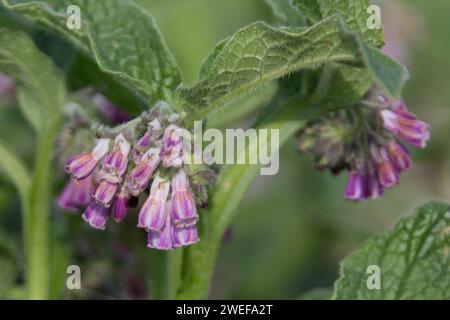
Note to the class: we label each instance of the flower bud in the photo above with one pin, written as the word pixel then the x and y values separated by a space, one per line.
pixel 184 210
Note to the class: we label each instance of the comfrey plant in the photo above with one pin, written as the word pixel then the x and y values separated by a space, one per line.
pixel 323 57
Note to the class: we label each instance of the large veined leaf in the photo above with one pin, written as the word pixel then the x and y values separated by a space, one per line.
pixel 413 260
pixel 353 11
pixel 208 62
pixel 122 37
pixel 346 84
pixel 349 83
pixel 260 53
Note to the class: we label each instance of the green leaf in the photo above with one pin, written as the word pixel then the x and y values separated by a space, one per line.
pixel 388 73
pixel 228 192
pixel 354 13
pixel 260 53
pixel 310 9
pixel 13 168
pixel 40 87
pixel 286 13
pixel 208 62
pixel 122 37
pixel 31 109
pixel 342 85
pixel 413 259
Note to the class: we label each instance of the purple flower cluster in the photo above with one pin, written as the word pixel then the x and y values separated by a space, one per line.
pixel 114 172
pixel 370 147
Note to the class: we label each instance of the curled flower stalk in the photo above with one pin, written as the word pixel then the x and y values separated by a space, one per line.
pixel 142 159
pixel 369 141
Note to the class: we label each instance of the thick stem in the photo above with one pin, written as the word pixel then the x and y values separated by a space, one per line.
pixel 230 188
pixel 166 274
pixel 37 211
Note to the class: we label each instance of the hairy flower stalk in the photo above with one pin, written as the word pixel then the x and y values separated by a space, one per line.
pixel 368 140
pixel 147 154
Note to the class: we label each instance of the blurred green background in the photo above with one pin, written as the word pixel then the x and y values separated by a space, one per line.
pixel 292 229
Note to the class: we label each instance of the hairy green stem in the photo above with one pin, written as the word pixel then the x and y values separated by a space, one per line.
pixel 36 217
pixel 167 273
pixel 231 187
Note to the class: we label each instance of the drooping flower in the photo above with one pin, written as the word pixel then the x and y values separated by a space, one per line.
pixel 373 189
pixel 105 193
pixel 184 210
pixel 82 165
pixel 184 236
pixel 116 162
pixel 162 240
pixel 403 124
pixel 120 205
pixel 96 215
pixel 76 194
pixel 153 213
pixel 356 185
pixel 388 175
pixel 399 156
pixel 140 176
